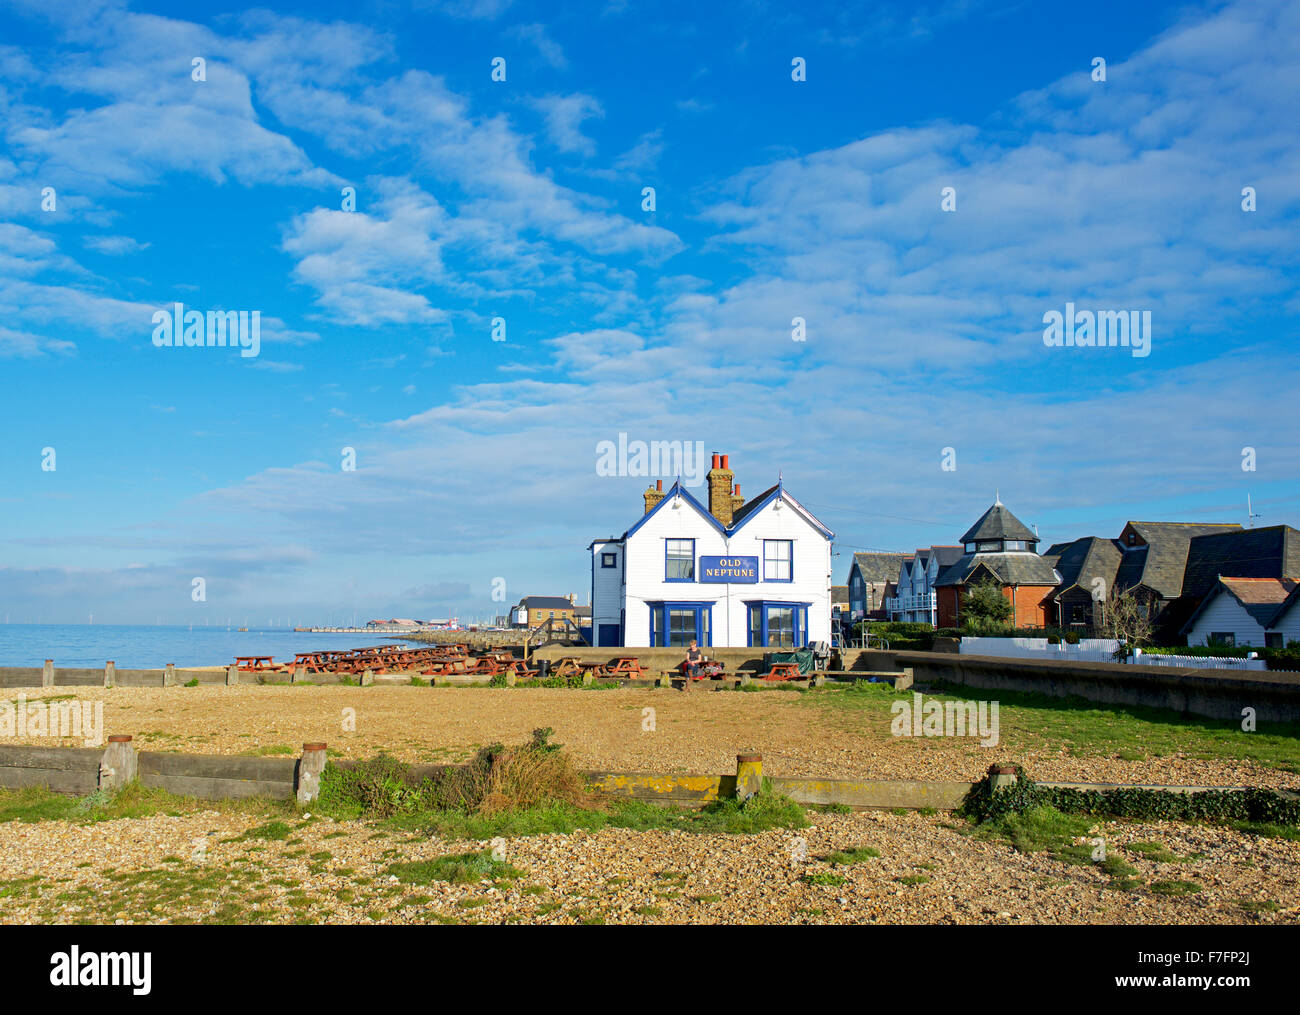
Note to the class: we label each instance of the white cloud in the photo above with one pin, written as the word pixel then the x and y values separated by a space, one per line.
pixel 564 117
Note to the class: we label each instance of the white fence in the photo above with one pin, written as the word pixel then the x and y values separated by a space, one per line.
pixel 1095 650
pixel 1201 662
pixel 1088 650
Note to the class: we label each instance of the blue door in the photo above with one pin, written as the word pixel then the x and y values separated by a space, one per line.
pixel 609 635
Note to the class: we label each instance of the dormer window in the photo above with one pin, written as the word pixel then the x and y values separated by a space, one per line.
pixel 988 546
pixel 1016 544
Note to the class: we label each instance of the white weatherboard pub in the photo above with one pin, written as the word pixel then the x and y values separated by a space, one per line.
pixel 732 574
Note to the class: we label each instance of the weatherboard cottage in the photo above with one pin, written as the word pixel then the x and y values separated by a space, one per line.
pixel 735 573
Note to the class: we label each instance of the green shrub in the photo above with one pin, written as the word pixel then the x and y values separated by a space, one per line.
pixel 497 778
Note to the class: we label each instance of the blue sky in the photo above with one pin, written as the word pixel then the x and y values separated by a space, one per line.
pixel 522 200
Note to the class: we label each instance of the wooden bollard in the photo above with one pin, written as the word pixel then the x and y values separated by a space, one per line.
pixel 119 763
pixel 169 675
pixel 749 775
pixel 1002 777
pixel 47 674
pixel 232 675
pixel 367 677
pixel 310 767
pixel 110 673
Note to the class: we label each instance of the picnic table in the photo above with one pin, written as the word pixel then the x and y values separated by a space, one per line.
pixel 783 671
pixel 255 664
pixel 625 666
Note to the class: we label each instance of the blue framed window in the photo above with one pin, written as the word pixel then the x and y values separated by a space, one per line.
pixel 678 624
pixel 777 624
pixel 778 560
pixel 679 560
pixel 609 560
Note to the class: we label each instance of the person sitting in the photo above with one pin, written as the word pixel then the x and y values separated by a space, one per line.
pixel 694 657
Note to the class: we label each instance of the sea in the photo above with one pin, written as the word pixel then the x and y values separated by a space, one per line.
pixel 146 648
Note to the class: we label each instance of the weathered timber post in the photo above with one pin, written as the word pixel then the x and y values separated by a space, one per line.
pixel 749 775
pixel 47 674
pixel 310 767
pixel 110 673
pixel 169 675
pixel 511 678
pixel 119 763
pixel 1002 777
pixel 587 678
pixel 745 680
pixel 367 677
pixel 232 675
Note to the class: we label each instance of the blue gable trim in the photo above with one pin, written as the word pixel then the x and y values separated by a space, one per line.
pixel 674 491
pixel 776 492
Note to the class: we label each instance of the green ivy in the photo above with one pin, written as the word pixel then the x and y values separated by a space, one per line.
pixel 1219 806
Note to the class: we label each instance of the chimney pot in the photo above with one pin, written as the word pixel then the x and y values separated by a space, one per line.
pixel 725 466
pixel 736 492
pixel 716 459
pixel 659 485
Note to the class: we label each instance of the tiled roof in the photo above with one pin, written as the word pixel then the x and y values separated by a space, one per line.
pixel 1265 599
pixel 839 593
pixel 1271 552
pixel 546 603
pixel 998 523
pixel 1086 559
pixel 1015 568
pixel 1162 564
pixel 878 567
pixel 947 554
pixel 751 505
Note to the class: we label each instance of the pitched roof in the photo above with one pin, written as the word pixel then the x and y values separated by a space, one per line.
pixel 998 523
pixel 752 505
pixel 1271 552
pixel 947 554
pixel 1014 568
pixel 839 593
pixel 1162 562
pixel 546 603
pixel 1265 599
pixel 878 567
pixel 780 494
pixel 1087 559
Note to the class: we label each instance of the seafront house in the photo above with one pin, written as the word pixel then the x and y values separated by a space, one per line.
pixel 734 573
pixel 1247 611
pixel 533 611
pixel 913 598
pixel 1000 547
pixel 870 578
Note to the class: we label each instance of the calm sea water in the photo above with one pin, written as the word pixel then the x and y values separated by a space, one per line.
pixel 132 647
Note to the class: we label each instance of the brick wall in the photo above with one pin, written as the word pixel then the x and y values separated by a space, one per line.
pixel 1030 601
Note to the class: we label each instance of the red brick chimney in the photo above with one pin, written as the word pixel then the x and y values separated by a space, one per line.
pixel 721 501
